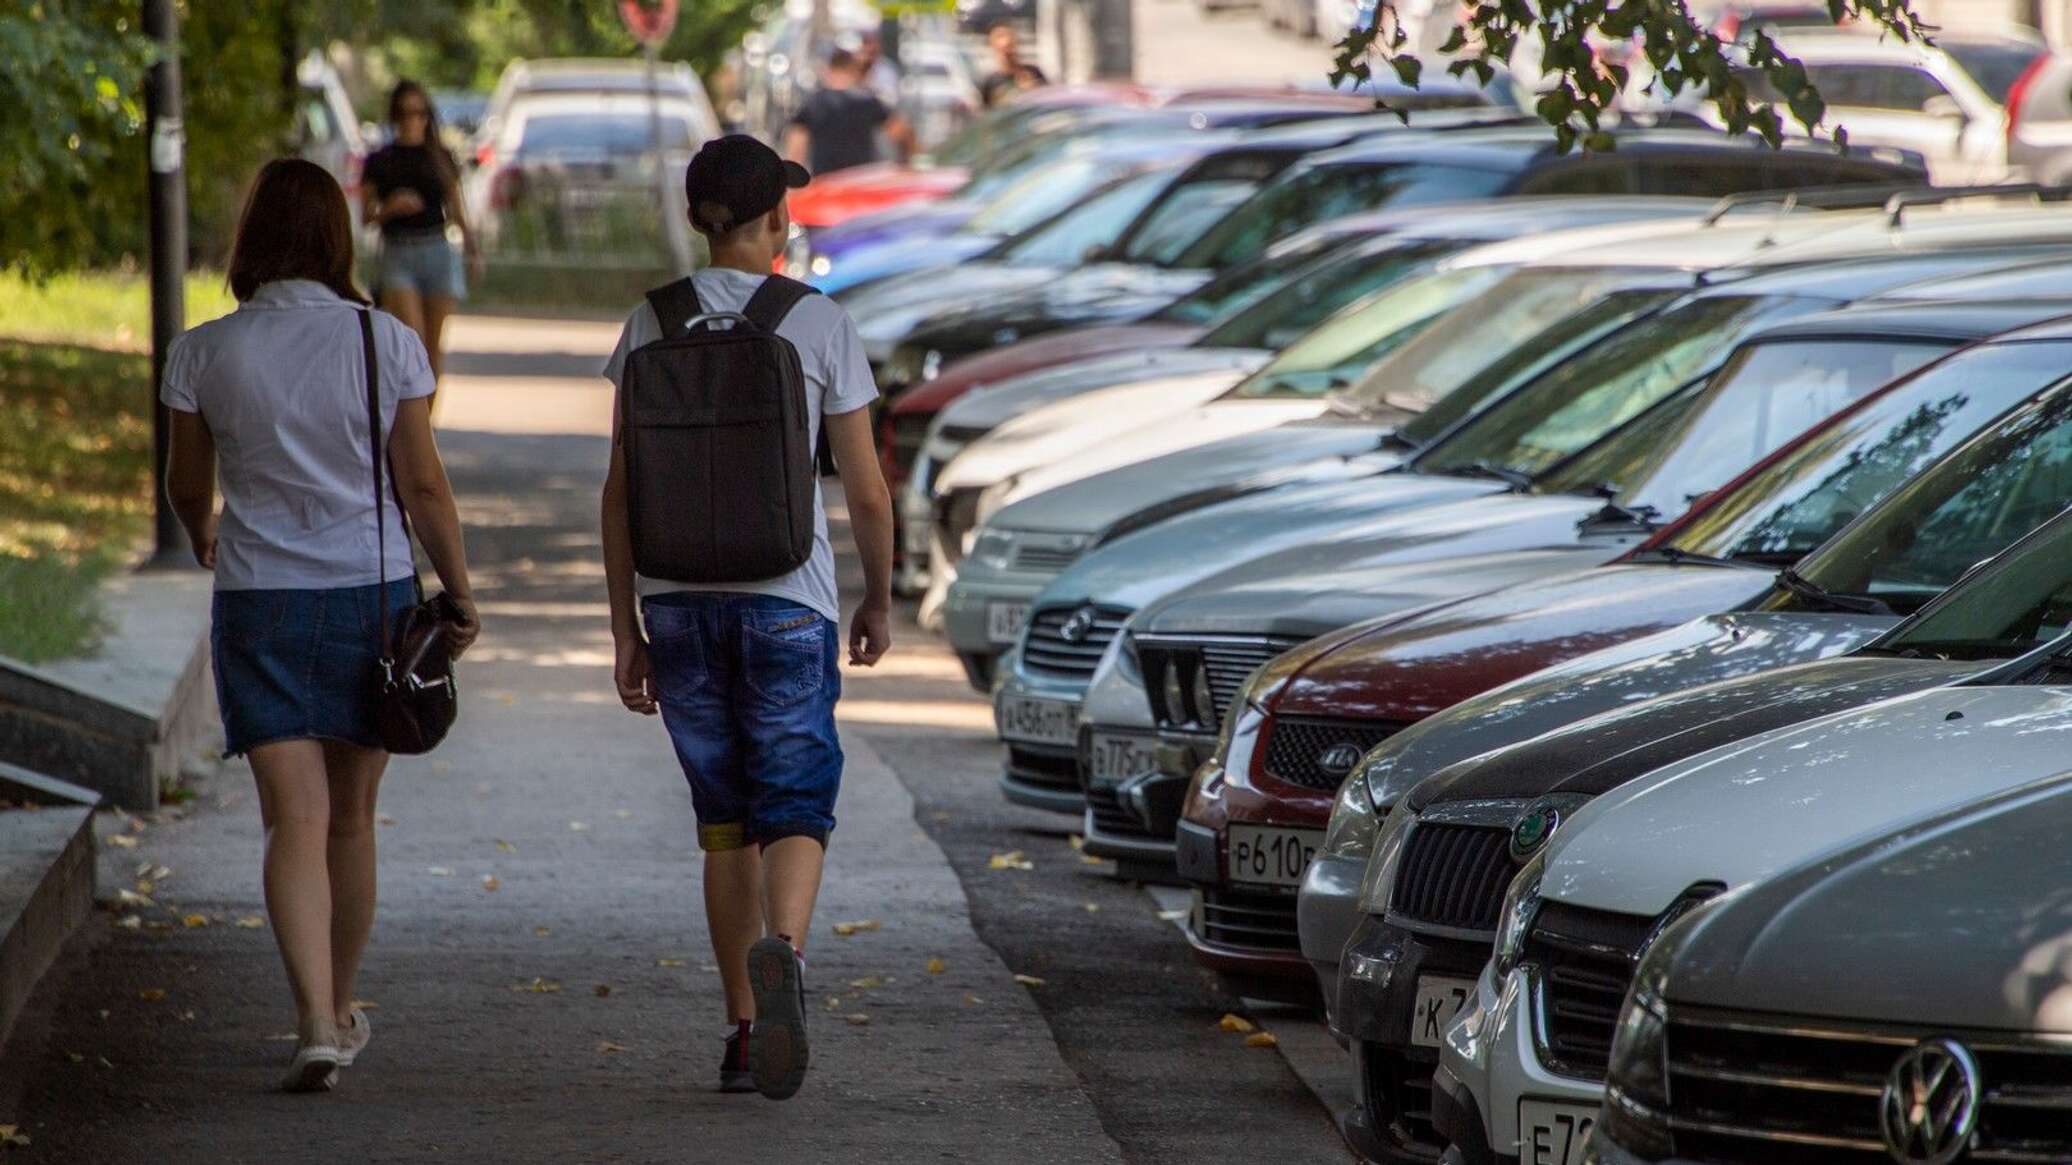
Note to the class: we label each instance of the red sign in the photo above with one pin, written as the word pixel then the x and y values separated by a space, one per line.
pixel 648 20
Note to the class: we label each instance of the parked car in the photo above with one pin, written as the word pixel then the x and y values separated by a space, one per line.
pixel 326 130
pixel 1528 1053
pixel 1820 1001
pixel 592 76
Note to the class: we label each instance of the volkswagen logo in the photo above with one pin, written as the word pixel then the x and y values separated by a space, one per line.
pixel 1078 626
pixel 1339 759
pixel 1930 1104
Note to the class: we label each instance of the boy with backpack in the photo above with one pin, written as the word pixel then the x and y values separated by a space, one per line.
pixel 722 581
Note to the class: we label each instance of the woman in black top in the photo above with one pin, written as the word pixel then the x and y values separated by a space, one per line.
pixel 411 187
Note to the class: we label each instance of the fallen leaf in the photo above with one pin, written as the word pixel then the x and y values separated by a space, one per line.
pixel 1238 1023
pixel 105 1013
pixel 867 983
pixel 130 922
pixel 1091 860
pixel 578 826
pixel 541 932
pixel 935 965
pixel 971 999
pixel 158 926
pixel 857 1019
pixel 185 1016
pixel 537 987
pixel 1078 842
pixel 132 898
pixel 505 847
pixel 1261 1040
pixel 123 840
pixel 834 1003
pixel 76 1057
pixel 437 871
pixel 1028 980
pixel 489 881
pixel 606 1047
pixel 144 870
pixel 161 873
pixel 1011 860
pixel 602 990
pixel 151 994
pixel 193 920
pixel 845 929
pixel 658 962
pixel 251 922
pixel 13 1137
pixel 146 885
pixel 385 819
pixel 103 1061
pixel 1091 907
pixel 1172 915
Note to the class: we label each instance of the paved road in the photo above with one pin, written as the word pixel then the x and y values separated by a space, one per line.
pixel 565 1010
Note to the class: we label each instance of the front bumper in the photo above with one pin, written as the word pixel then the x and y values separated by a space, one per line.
pixel 1375 1010
pixel 1041 774
pixel 967 612
pixel 1243 931
pixel 1132 819
pixel 1327 911
pixel 1490 1061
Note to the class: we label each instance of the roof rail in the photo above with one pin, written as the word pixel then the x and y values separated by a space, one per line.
pixel 1866 194
pixel 1896 206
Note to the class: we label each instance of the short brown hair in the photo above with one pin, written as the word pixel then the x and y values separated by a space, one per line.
pixel 295 225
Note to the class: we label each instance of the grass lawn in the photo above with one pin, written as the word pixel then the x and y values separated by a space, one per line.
pixel 99 309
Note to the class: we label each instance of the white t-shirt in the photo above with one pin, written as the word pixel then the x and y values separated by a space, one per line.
pixel 281 383
pixel 838 380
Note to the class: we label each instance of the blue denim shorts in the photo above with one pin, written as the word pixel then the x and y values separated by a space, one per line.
pixel 299 664
pixel 747 685
pixel 425 263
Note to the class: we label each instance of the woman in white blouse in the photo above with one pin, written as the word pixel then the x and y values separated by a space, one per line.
pixel 270 402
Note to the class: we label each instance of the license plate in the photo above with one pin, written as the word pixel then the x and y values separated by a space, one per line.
pixel 1271 857
pixel 1004 621
pixel 1553 1134
pixel 1038 721
pixel 1113 758
pixel 1439 999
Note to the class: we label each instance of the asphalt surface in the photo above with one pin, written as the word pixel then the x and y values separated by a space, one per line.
pixel 539 972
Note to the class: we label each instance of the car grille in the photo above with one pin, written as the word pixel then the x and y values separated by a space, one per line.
pixel 1044 559
pixel 1296 745
pixel 1454 875
pixel 1046 650
pixel 1585 960
pixel 1111 818
pixel 1782 1089
pixel 1044 769
pixel 1398 1089
pixel 1260 921
pixel 1229 660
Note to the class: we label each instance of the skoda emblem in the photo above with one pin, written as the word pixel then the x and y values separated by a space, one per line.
pixel 1339 759
pixel 1533 829
pixel 1078 626
pixel 1930 1104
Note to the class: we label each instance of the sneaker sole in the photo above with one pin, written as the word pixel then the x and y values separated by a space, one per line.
pixel 777 1051
pixel 737 1081
pixel 315 1076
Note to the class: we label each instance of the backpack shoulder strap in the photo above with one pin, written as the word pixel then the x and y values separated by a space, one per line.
pixel 675 304
pixel 774 300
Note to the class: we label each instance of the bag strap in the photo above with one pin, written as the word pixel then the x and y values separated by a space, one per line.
pixel 378 455
pixel 676 304
pixel 774 300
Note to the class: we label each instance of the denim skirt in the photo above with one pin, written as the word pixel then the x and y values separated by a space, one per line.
pixel 426 263
pixel 300 664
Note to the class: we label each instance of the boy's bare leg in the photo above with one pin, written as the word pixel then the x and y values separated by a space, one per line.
pixel 734 915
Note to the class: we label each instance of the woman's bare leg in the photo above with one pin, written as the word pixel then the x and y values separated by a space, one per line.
pixel 296 809
pixel 436 309
pixel 355 779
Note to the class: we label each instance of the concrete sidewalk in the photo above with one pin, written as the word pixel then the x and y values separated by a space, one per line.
pixel 539 968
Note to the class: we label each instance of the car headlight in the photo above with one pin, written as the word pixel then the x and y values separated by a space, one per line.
pixel 1521 906
pixel 993 549
pixel 931 364
pixel 820 265
pixel 1378 885
pixel 1354 822
pixel 1637 1096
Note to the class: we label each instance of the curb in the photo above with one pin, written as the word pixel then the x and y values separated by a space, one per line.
pixel 46 880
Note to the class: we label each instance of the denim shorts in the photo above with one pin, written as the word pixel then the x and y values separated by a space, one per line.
pixel 300 664
pixel 747 685
pixel 425 263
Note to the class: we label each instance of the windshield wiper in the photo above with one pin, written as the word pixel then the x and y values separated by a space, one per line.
pixel 1806 589
pixel 1516 478
pixel 1676 556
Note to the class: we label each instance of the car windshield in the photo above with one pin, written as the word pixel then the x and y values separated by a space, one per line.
pixel 1330 357
pixel 1614 381
pixel 2017 601
pixel 1240 287
pixel 1996 67
pixel 1312 195
pixel 1180 218
pixel 1468 341
pixel 1294 309
pixel 1064 240
pixel 1766 394
pixel 610 134
pixel 1035 197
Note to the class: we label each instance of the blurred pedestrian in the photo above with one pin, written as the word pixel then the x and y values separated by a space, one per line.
pixel 1011 74
pixel 273 400
pixel 837 126
pixel 411 189
pixel 743 672
pixel 879 74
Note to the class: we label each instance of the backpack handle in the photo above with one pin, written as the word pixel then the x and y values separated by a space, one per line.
pixel 704 318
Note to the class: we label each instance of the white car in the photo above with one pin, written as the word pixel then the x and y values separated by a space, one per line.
pixel 1522 1067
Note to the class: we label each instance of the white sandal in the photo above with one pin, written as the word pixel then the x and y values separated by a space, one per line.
pixel 354 1040
pixel 314 1069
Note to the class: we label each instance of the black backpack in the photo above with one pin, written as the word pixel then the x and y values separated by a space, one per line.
pixel 719 465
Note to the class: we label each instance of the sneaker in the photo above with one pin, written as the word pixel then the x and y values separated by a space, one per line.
pixel 314 1069
pixel 777 1042
pixel 734 1072
pixel 354 1039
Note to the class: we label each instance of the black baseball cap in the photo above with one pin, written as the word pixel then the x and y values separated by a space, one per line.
pixel 736 179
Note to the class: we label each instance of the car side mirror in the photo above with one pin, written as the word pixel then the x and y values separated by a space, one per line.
pixel 1944 106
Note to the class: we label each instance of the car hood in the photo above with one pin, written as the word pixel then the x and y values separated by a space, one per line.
pixel 1142 567
pixel 1174 483
pixel 1005 400
pixel 898 223
pixel 1406 670
pixel 988 368
pixel 898 254
pixel 1602 752
pixel 1104 291
pixel 1971 902
pixel 1706 650
pixel 1746 810
pixel 1087 434
pixel 885 310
